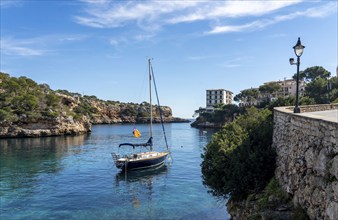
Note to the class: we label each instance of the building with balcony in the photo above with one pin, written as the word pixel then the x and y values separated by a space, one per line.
pixel 288 87
pixel 218 96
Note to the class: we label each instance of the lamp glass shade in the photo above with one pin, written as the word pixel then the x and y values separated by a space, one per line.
pixel 299 50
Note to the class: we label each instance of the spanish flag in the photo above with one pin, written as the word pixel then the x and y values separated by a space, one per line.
pixel 136 133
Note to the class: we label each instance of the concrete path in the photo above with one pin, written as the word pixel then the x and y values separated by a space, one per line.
pixel 329 115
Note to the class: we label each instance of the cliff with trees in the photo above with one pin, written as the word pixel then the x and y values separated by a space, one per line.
pixel 28 109
pixel 240 161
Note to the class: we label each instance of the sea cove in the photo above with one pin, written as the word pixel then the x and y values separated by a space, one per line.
pixel 74 177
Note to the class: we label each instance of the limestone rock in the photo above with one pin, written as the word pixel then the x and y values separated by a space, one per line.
pixel 334 167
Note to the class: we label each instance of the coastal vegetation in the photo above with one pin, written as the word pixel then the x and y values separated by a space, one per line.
pixel 239 161
pixel 27 106
pixel 221 115
pixel 320 88
pixel 23 100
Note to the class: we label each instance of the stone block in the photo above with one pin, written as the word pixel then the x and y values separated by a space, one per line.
pixel 309 158
pixel 332 210
pixel 320 163
pixel 334 167
pixel 334 187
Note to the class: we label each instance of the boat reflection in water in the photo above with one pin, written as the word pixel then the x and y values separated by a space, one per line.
pixel 141 175
pixel 140 186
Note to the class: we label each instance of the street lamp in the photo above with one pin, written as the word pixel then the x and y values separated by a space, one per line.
pixel 298 48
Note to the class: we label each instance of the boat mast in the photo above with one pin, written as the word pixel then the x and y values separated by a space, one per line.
pixel 151 107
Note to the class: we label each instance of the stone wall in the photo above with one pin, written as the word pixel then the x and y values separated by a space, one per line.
pixel 315 108
pixel 307 160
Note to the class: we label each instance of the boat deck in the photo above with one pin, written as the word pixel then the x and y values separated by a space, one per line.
pixel 142 156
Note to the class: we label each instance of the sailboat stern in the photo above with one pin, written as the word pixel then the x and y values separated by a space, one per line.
pixel 119 162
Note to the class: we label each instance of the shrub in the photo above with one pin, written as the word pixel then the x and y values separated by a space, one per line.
pixel 52 100
pixel 7 116
pixel 239 159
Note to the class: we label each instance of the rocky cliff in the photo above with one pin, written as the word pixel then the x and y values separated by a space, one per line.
pixel 49 127
pixel 116 112
pixel 28 109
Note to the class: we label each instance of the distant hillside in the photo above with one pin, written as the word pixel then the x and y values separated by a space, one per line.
pixel 28 109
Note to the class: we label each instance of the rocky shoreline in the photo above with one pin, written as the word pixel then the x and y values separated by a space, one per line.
pixel 197 124
pixel 271 203
pixel 66 126
pixel 44 128
pixel 28 109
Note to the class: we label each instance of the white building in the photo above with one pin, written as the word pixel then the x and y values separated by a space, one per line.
pixel 218 96
pixel 289 87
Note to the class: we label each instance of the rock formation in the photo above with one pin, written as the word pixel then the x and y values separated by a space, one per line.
pixel 28 109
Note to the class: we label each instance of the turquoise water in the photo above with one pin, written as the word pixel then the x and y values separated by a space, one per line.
pixel 74 177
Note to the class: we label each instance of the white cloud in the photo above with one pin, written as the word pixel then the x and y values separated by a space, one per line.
pixel 152 15
pixel 21 48
pixel 10 3
pixel 142 37
pixel 117 41
pixel 34 46
pixel 95 1
pixel 110 14
pixel 322 11
pixel 199 58
pixel 236 62
pixel 232 9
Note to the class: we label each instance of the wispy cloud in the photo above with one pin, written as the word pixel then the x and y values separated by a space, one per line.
pixel 117 41
pixel 10 3
pixel 235 62
pixel 19 47
pixel 112 14
pixel 322 11
pixel 198 58
pixel 152 15
pixel 109 14
pixel 232 9
pixel 34 46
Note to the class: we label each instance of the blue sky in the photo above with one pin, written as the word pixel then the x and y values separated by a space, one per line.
pixel 101 47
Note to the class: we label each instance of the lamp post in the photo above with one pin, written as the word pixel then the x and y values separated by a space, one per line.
pixel 298 48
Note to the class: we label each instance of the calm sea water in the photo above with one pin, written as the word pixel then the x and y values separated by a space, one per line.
pixel 74 177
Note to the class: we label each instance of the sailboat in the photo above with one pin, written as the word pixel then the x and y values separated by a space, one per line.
pixel 149 158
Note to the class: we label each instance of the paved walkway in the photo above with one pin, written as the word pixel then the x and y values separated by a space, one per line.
pixel 329 115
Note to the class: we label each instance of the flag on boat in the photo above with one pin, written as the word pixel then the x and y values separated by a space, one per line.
pixel 136 133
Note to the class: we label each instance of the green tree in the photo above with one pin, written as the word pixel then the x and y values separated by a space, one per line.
pixel 52 100
pixel 312 73
pixel 239 159
pixel 247 96
pixel 25 103
pixel 317 89
pixel 333 89
pixel 129 110
pixel 270 88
